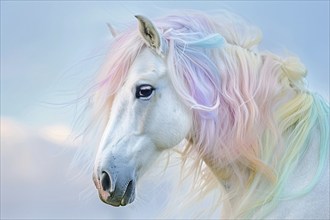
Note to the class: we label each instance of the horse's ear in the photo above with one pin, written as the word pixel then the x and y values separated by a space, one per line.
pixel 149 32
pixel 112 30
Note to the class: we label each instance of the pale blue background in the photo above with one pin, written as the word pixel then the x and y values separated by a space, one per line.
pixel 50 51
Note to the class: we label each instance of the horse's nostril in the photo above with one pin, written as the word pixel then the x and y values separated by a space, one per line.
pixel 105 181
pixel 129 188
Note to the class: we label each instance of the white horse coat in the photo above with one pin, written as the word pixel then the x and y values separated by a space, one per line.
pixel 241 114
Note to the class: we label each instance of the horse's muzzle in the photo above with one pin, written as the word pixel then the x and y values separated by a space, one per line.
pixel 116 187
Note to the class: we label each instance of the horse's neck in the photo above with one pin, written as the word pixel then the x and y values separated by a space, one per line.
pixel 297 181
pixel 315 203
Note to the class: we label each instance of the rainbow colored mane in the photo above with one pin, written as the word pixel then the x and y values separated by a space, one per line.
pixel 253 117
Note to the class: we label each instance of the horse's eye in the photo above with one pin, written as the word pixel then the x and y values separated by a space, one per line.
pixel 144 91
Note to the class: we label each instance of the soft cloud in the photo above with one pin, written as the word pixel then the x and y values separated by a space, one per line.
pixel 11 129
pixel 59 134
pixel 36 181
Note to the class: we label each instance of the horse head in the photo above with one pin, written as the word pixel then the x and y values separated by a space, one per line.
pixel 144 120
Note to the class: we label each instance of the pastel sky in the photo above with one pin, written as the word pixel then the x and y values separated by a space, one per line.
pixel 50 51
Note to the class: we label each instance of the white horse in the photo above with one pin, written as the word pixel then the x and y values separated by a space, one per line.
pixel 246 117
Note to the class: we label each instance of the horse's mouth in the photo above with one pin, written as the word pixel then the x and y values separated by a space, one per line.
pixel 121 196
pixel 118 198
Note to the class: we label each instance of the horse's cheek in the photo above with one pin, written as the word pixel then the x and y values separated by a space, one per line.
pixel 173 126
